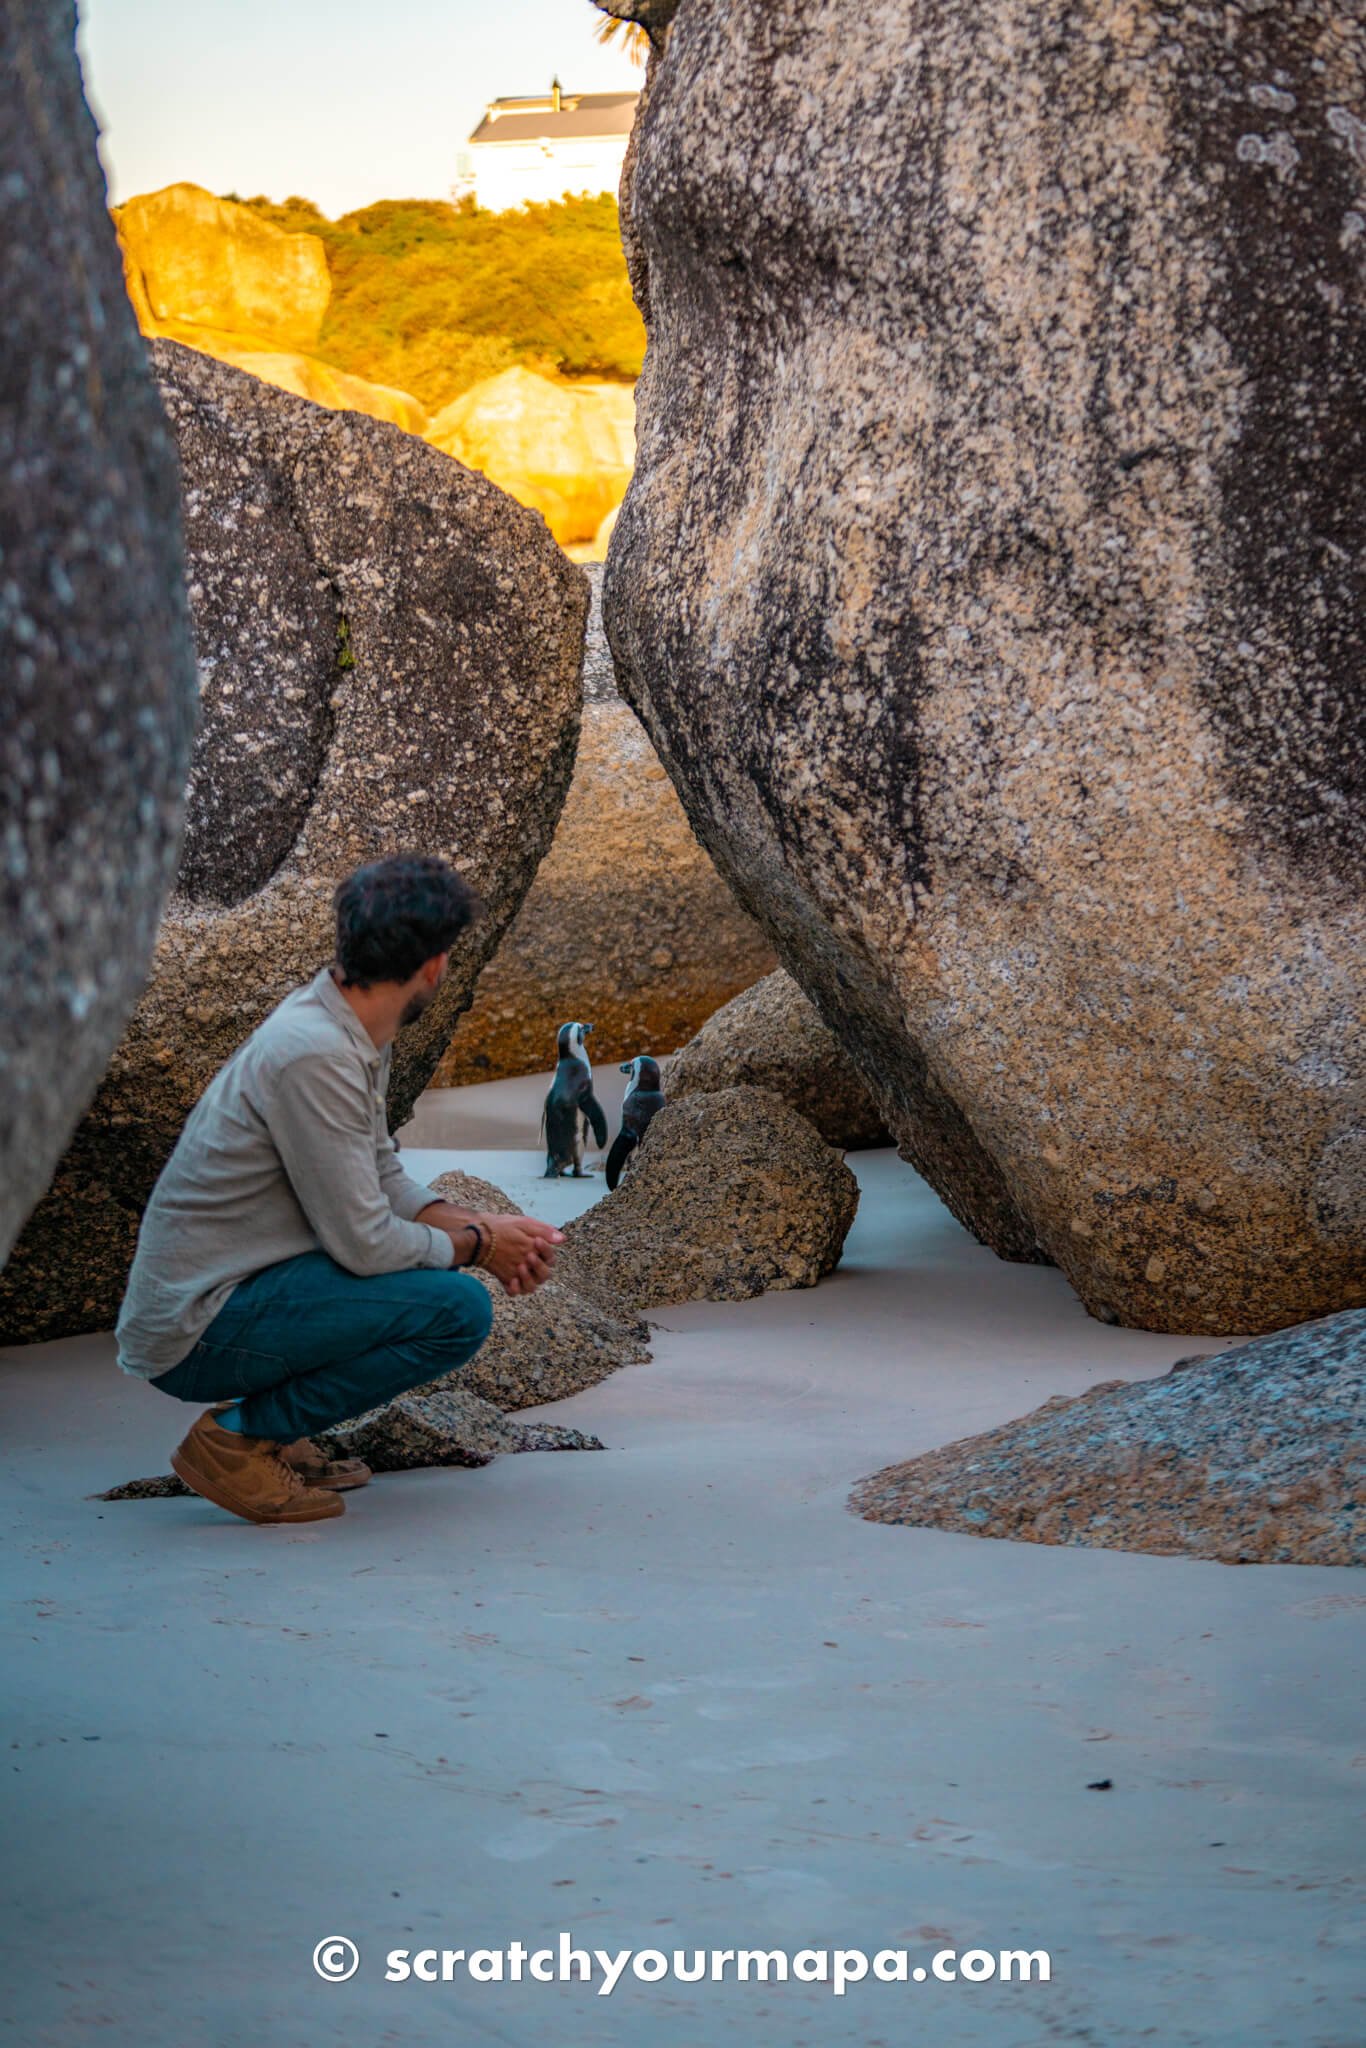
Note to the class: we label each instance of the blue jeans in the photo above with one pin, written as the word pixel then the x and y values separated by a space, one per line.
pixel 309 1344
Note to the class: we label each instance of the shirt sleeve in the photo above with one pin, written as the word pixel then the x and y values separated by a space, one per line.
pixel 406 1197
pixel 321 1123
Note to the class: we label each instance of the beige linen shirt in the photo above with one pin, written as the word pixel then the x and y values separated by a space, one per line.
pixel 286 1151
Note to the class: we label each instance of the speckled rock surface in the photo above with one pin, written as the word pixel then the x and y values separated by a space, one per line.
pixel 772 1037
pixel 730 1195
pixel 97 689
pixel 442 1425
pixel 991 586
pixel 162 1486
pixel 1252 1456
pixel 309 377
pixel 654 15
pixel 543 1346
pixel 627 923
pixel 389 656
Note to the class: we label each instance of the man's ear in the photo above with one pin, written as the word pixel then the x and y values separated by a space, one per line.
pixel 434 969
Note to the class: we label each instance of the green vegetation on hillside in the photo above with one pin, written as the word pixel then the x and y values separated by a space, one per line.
pixel 432 297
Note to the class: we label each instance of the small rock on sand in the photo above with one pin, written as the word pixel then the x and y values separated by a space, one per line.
pixel 543 1346
pixel 1251 1456
pixel 730 1195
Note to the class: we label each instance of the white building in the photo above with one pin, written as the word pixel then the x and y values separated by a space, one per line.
pixel 533 150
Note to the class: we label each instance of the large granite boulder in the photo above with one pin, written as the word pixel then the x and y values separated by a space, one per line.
pixel 627 922
pixel 543 1346
pixel 566 449
pixel 199 262
pixel 96 664
pixel 214 275
pixel 991 587
pixel 389 658
pixel 729 1196
pixel 771 1036
pixel 1253 1456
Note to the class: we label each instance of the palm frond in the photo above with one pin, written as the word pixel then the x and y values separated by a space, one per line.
pixel 633 39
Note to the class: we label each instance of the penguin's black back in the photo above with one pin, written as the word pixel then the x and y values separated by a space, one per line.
pixel 572 1082
pixel 639 1108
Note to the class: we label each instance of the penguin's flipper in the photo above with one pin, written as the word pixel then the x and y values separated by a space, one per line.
pixel 592 1110
pixel 622 1148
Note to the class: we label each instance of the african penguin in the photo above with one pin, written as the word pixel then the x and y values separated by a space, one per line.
pixel 571 1107
pixel 644 1099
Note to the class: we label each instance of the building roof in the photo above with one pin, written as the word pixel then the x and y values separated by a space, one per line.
pixel 537 119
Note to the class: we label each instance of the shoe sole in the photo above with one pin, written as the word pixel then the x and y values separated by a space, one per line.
pixel 333 1485
pixel 209 1490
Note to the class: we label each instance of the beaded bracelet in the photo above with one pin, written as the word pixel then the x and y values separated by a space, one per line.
pixel 478 1258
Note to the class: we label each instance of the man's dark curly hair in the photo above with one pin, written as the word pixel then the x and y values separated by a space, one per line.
pixel 393 915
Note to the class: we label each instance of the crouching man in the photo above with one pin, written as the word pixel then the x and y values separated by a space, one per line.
pixel 288 1270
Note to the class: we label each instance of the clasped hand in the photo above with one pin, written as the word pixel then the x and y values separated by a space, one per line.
pixel 522 1256
pixel 518 1251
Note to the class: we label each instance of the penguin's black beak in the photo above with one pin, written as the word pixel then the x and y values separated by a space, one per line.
pixel 626 1069
pixel 586 1029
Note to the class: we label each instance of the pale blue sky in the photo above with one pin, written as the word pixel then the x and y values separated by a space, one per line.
pixel 343 102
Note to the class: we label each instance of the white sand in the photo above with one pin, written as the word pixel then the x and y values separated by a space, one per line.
pixel 669 1695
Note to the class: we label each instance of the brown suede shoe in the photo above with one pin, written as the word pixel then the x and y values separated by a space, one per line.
pixel 316 1469
pixel 247 1476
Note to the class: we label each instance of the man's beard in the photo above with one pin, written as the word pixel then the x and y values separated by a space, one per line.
pixel 415 1005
